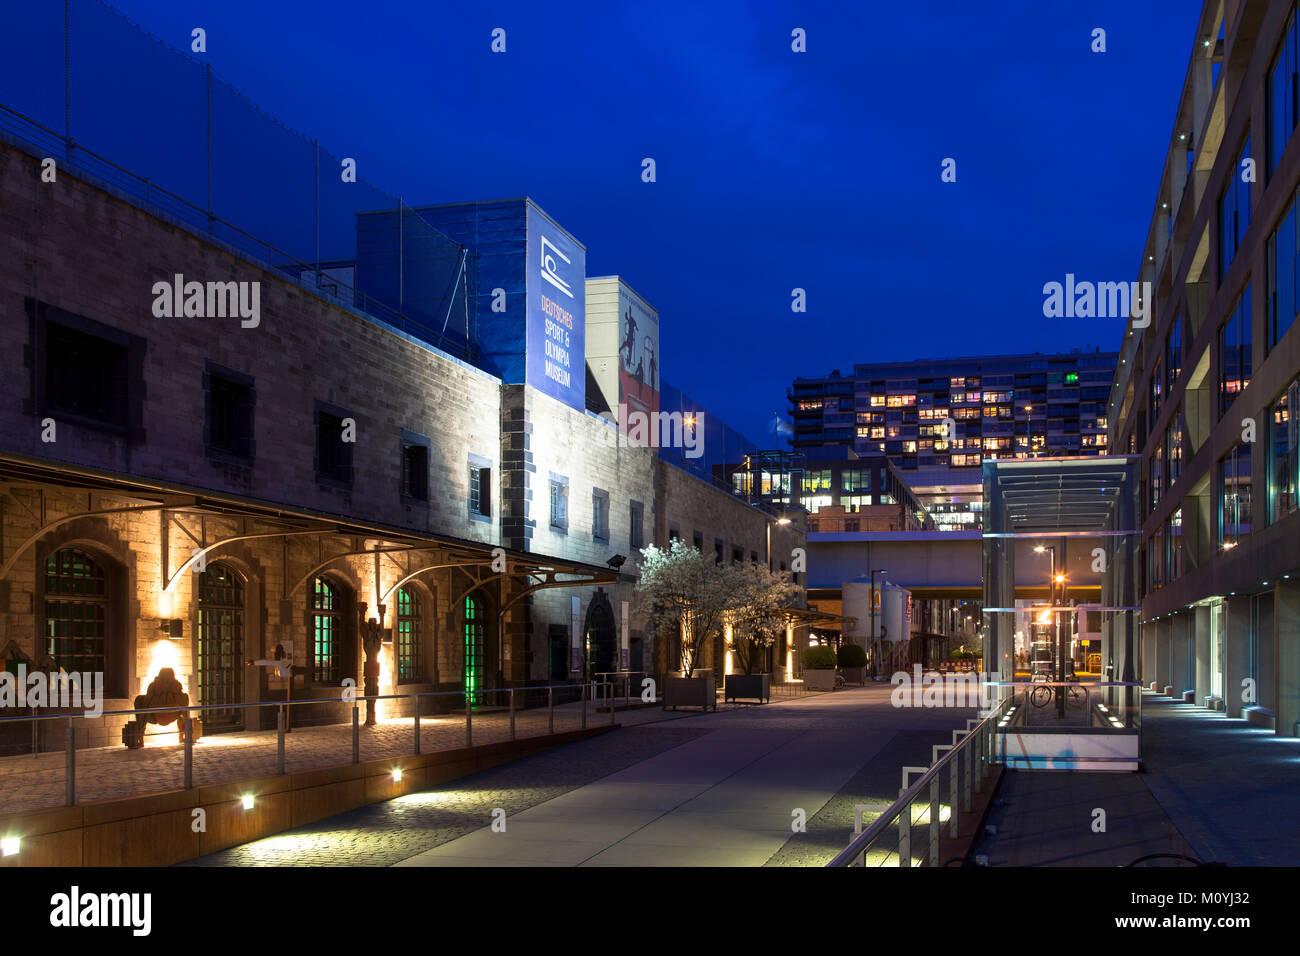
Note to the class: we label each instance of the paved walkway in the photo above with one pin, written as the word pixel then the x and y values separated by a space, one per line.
pixel 1212 788
pixel 715 789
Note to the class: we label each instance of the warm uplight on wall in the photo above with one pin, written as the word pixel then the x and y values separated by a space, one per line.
pixel 162 653
pixel 9 846
pixel 166 604
pixel 397 775
pixel 248 801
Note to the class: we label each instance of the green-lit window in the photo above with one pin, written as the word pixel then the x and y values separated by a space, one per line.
pixel 473 650
pixel 327 627
pixel 76 611
pixel 410 643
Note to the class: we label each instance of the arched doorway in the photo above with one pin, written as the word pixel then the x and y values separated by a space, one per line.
pixel 601 637
pixel 220 647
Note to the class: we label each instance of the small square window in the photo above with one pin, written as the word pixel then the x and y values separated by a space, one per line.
pixel 698 541
pixel 480 488
pixel 228 425
pixel 560 504
pixel 636 535
pixel 415 470
pixel 600 514
pixel 334 431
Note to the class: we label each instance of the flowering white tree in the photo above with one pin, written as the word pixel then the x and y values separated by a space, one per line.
pixel 759 611
pixel 689 596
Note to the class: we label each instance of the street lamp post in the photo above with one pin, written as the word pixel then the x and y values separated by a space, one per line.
pixel 875 637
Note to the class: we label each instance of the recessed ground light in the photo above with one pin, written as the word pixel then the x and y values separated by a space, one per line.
pixel 248 801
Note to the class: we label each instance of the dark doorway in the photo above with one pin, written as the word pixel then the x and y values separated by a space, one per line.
pixel 220 640
pixel 601 637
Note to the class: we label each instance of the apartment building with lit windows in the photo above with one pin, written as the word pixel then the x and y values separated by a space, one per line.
pixel 1005 406
pixel 1207 392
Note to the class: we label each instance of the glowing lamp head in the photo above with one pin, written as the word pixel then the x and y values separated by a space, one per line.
pixel 248 801
pixel 9 846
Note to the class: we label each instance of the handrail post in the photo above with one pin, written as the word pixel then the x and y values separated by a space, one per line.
pixel 279 740
pixel 512 713
pixel 469 719
pixel 70 767
pixel 356 734
pixel 610 688
pixel 967 796
pixel 933 828
pixel 415 716
pixel 550 708
pixel 905 835
pixel 954 795
pixel 187 729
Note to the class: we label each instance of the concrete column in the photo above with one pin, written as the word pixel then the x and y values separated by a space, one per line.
pixel 1236 653
pixel 1150 654
pixel 1201 626
pixel 1266 663
pixel 1286 631
pixel 1182 676
pixel 1163 656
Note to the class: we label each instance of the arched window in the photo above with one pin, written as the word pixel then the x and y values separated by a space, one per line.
pixel 76 612
pixel 473 649
pixel 327 633
pixel 220 638
pixel 410 639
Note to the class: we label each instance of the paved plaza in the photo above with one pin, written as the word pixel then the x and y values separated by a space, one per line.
pixel 1212 788
pixel 706 789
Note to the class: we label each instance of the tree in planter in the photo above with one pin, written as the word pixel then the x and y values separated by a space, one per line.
pixel 693 595
pixel 758 614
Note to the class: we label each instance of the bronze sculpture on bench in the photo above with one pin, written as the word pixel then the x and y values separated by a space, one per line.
pixel 164 691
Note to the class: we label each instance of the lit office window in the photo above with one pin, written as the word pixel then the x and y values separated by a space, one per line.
pixel 1234 496
pixel 1234 213
pixel 1234 353
pixel 1281 277
pixel 1281 96
pixel 1282 453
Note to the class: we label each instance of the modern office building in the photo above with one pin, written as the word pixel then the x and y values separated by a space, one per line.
pixel 1207 392
pixel 839 490
pixel 939 420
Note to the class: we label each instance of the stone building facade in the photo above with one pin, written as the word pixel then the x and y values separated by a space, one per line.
pixel 195 491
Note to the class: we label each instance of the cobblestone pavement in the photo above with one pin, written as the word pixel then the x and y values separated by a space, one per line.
pixel 103 773
pixel 880 737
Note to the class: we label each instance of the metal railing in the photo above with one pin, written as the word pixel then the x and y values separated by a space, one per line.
pixel 39 141
pixel 284 710
pixel 967 765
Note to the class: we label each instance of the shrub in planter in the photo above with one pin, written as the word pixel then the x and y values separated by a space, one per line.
pixel 853 662
pixel 819 668
pixel 819 658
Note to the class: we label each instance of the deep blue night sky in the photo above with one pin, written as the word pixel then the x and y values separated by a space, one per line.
pixel 775 169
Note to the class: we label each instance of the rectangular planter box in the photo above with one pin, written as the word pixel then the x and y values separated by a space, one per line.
pixel 854 675
pixel 756 686
pixel 690 692
pixel 819 679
